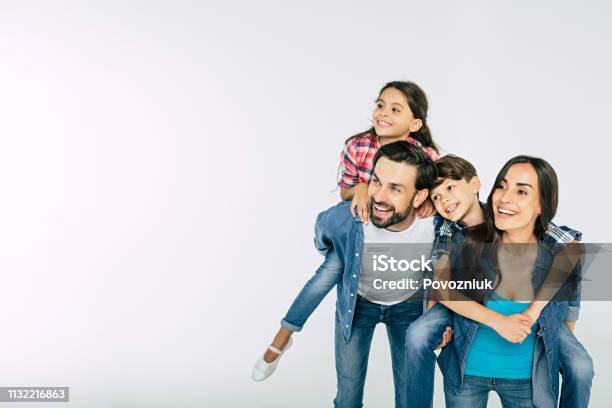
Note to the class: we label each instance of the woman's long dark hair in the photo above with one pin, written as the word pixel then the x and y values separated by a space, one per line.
pixel 417 101
pixel 483 240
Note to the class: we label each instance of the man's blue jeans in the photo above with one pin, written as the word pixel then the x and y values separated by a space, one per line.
pixel 352 357
pixel 425 334
pixel 475 393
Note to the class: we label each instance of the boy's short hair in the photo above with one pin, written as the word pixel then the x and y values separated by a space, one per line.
pixel 455 168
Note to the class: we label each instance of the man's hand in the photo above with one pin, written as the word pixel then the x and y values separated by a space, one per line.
pixel 514 328
pixel 446 337
pixel 361 201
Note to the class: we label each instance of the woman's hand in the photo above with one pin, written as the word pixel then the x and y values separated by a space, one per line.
pixel 361 201
pixel 426 209
pixel 514 328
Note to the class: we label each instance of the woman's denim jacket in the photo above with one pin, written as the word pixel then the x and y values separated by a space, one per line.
pixel 545 371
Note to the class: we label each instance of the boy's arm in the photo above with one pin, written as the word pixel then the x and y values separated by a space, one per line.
pixel 561 269
pixel 513 328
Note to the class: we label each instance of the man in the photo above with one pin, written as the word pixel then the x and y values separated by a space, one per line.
pixel 401 180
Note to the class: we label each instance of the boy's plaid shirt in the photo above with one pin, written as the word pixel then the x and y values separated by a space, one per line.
pixel 555 237
pixel 356 160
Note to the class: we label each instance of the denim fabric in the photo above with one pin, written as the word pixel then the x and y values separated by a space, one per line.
pixel 425 333
pixel 576 369
pixel 555 238
pixel 545 375
pixel 475 393
pixel 352 356
pixel 422 337
pixel 339 236
pixel 322 282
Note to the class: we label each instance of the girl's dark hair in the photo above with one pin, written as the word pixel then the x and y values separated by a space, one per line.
pixel 417 101
pixel 486 236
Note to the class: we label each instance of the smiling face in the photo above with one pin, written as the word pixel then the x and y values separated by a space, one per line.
pixel 392 116
pixel 516 200
pixel 453 199
pixel 393 194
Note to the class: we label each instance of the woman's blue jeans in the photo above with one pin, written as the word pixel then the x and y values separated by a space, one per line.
pixel 425 334
pixel 475 392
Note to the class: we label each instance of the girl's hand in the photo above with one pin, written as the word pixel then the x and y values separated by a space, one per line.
pixel 426 209
pixel 361 201
pixel 514 328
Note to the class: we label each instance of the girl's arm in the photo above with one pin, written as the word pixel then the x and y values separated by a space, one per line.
pixel 351 187
pixel 347 194
pixel 359 197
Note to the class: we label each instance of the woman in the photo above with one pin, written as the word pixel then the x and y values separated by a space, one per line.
pixel 519 208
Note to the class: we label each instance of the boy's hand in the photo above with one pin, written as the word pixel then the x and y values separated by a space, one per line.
pixel 446 337
pixel 514 328
pixel 531 313
pixel 361 201
pixel 426 209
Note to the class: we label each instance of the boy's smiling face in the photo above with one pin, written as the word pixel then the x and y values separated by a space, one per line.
pixel 453 199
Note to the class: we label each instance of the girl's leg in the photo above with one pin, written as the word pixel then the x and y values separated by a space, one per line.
pixel 311 295
pixel 474 393
pixel 280 341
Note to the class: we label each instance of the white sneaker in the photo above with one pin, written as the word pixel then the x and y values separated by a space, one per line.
pixel 262 369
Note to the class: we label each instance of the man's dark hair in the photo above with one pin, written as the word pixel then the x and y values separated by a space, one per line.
pixel 455 168
pixel 405 152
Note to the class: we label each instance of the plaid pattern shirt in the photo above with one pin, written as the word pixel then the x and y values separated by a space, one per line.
pixel 555 237
pixel 356 160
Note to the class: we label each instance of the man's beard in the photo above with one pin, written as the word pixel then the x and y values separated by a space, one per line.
pixel 395 218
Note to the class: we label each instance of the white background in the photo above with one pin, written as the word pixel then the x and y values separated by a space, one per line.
pixel 162 164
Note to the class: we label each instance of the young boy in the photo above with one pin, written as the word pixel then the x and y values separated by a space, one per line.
pixel 455 196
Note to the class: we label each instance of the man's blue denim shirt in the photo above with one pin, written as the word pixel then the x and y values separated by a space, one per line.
pixel 336 230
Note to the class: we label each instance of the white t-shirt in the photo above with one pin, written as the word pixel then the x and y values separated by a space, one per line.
pixel 420 232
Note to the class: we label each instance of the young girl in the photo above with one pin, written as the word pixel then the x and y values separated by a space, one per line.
pixel 400 114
